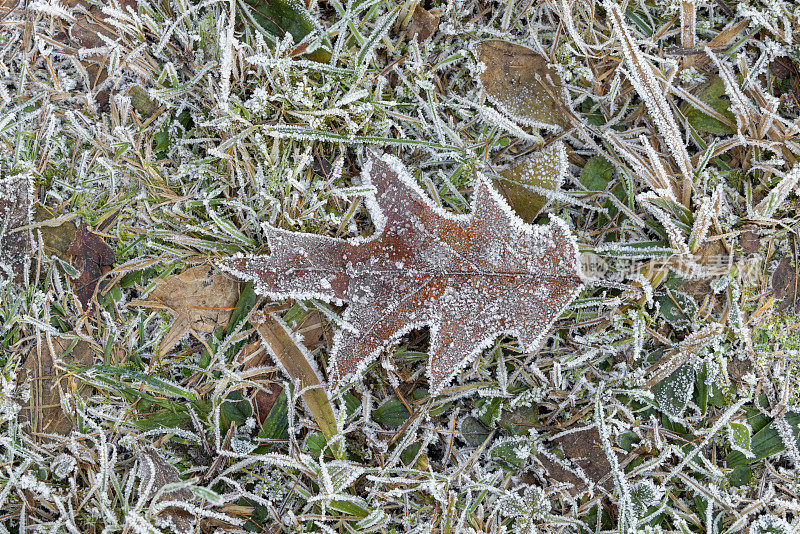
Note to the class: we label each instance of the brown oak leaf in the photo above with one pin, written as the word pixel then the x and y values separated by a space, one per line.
pixel 470 278
pixel 91 254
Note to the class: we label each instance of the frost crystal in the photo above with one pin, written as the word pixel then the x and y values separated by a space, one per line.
pixel 469 278
pixel 16 203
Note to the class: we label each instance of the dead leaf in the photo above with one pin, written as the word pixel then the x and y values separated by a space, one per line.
pixel 423 24
pixel 254 356
pixel 16 205
pixel 56 237
pixel 470 278
pixel 519 82
pixel 200 299
pixel 750 242
pixel 87 32
pixel 786 285
pixel 155 472
pixel 582 450
pixel 297 363
pixel 142 102
pixel 40 368
pixel 91 254
pixel 544 170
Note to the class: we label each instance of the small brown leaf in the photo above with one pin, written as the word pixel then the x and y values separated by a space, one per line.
pixel 91 254
pixel 16 204
pixel 583 450
pixel 544 170
pixel 423 24
pixel 43 410
pixel 56 236
pixel 786 285
pixel 470 278
pixel 200 300
pixel 519 82
pixel 750 241
pixel 155 472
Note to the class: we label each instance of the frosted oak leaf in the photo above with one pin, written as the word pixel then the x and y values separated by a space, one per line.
pixel 470 278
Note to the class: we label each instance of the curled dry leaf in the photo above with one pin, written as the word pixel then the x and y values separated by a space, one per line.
pixel 16 204
pixel 524 183
pixel 201 301
pixel 470 278
pixel 42 369
pixel 90 255
pixel 519 82
pixel 154 473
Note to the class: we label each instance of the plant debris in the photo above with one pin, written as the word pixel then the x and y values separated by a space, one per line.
pixel 469 278
pixel 200 299
pixel 520 82
pixel 45 369
pixel 90 254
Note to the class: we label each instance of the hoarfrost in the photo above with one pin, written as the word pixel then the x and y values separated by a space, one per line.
pixel 448 278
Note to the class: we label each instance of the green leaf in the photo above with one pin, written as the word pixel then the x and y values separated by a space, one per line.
pixel 351 403
pixel 277 421
pixel 279 17
pixel 489 410
pixel 507 453
pixel 521 420
pixel 628 440
pixel 741 435
pixel 391 413
pixel 474 432
pixel 315 442
pixel 597 173
pixel 679 309
pixel 235 409
pixel 712 94
pixel 766 442
pixel 408 455
pixel 247 299
pixel 672 393
pixel 740 476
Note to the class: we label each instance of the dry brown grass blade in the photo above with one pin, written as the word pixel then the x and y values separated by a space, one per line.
pixel 688 9
pixel 644 81
pixel 296 363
